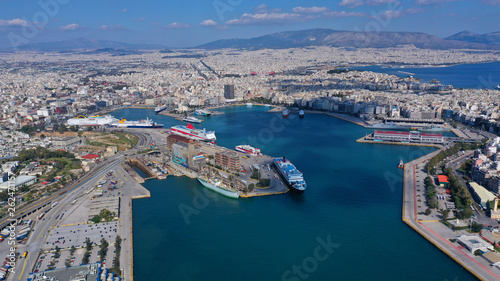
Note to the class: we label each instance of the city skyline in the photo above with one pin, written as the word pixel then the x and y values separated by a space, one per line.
pixel 198 22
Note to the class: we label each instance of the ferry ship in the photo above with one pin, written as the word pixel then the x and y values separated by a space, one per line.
pixel 203 112
pixel 293 177
pixel 159 109
pixel 191 119
pixel 248 149
pixel 91 121
pixel 386 126
pixel 286 112
pixel 217 186
pixel 147 123
pixel 189 131
pixel 301 113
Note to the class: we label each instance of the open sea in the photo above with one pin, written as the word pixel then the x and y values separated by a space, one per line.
pixel 346 226
pixel 473 76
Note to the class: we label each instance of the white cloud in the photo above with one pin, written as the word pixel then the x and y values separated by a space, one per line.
pixel 123 11
pixel 177 25
pixel 432 2
pixel 208 22
pixel 342 14
pixel 71 27
pixel 117 27
pixel 309 10
pixel 13 22
pixel 392 14
pixel 267 18
pixel 380 2
pixel 351 3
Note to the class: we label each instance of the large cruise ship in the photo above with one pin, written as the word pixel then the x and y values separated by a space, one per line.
pixel 189 131
pixel 91 121
pixel 245 148
pixel 293 177
pixel 217 186
pixel 147 123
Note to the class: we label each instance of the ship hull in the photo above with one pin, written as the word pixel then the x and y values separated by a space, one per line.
pixel 285 179
pixel 221 191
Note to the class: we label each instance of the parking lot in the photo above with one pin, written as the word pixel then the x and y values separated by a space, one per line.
pixel 75 235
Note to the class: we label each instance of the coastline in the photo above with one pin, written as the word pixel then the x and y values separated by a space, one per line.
pixel 409 217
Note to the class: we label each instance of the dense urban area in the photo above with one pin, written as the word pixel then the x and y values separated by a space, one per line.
pixel 67 186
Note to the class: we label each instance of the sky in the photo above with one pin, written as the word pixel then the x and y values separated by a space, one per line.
pixel 190 23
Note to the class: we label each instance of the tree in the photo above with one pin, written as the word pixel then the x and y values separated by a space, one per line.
pixel 467 213
pixel 72 250
pixel 88 244
pixel 57 253
pixel 445 213
pixel 428 211
pixel 476 227
pixel 251 187
pixel 96 219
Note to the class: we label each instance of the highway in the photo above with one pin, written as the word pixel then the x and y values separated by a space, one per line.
pixel 39 234
pixel 64 197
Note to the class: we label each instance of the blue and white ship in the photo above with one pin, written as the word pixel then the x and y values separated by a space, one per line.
pixel 293 177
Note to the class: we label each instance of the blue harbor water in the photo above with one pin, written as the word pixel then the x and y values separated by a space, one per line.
pixel 352 203
pixel 471 76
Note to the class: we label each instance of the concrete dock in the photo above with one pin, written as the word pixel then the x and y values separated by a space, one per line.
pixel 433 230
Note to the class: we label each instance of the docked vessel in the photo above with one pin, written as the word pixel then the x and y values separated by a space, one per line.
pixel 301 113
pixel 159 109
pixel 387 126
pixel 203 112
pixel 293 177
pixel 497 87
pixel 91 121
pixel 434 128
pixel 145 123
pixel 191 119
pixel 217 186
pixel 190 132
pixel 286 112
pixel 401 164
pixel 248 149
pixel 249 104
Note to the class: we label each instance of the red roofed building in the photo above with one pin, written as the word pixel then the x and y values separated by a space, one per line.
pixel 443 180
pixel 90 156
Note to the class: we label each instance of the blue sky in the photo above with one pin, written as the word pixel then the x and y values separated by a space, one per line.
pixel 192 22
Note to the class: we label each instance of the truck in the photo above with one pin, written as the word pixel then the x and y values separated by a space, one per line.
pixel 41 216
pixel 24 230
pixel 54 204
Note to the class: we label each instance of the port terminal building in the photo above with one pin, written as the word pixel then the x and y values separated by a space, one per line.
pixel 412 136
pixel 474 243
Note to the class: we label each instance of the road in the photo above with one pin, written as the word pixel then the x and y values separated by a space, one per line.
pixel 39 234
pixel 65 196
pixel 437 233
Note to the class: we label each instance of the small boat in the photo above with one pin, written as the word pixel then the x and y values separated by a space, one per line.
pixel 497 87
pixel 286 112
pixel 159 109
pixel 203 112
pixel 249 104
pixel 301 113
pixel 191 119
pixel 401 164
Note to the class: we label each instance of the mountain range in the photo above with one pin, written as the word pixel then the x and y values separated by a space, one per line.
pixel 339 38
pixel 294 39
